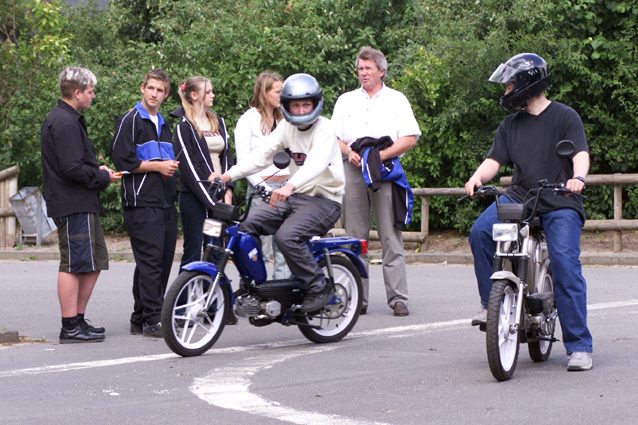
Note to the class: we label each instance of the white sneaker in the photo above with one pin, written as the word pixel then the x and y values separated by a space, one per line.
pixel 579 361
pixel 480 318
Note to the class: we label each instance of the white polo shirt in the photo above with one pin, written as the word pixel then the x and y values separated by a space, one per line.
pixel 387 113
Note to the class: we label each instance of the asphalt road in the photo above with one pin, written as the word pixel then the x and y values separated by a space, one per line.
pixel 427 368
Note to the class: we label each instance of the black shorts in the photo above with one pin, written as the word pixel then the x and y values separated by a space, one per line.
pixel 82 245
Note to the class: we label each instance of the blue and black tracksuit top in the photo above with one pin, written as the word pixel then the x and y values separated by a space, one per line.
pixel 136 140
pixel 374 172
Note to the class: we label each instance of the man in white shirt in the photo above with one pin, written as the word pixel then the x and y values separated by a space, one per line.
pixel 310 202
pixel 375 111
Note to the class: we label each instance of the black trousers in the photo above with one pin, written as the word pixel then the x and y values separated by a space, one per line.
pixel 153 233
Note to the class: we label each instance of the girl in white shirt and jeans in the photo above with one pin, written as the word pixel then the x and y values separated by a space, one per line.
pixel 251 132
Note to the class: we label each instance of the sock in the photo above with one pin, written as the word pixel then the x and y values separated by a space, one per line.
pixel 69 323
pixel 80 317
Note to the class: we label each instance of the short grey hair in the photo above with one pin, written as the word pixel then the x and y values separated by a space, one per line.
pixel 75 78
pixel 368 53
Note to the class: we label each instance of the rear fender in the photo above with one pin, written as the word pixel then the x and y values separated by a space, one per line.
pixel 354 259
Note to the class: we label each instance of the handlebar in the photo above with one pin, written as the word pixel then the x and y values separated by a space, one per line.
pixel 557 188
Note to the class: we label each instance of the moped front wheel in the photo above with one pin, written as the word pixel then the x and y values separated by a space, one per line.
pixel 502 335
pixel 337 319
pixel 188 327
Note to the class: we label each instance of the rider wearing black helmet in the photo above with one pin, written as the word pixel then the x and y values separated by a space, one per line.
pixel 528 73
pixel 310 203
pixel 525 141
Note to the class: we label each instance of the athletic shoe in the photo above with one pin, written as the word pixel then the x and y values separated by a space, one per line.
pixel 480 318
pixel 87 326
pixel 137 328
pixel 579 361
pixel 153 331
pixel 316 301
pixel 79 335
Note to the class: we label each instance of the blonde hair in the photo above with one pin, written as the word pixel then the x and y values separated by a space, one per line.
pixel 193 85
pixel 263 85
pixel 74 78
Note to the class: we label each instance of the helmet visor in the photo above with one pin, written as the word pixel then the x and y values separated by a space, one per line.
pixel 503 74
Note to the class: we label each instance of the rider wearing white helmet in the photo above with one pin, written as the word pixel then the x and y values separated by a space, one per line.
pixel 310 203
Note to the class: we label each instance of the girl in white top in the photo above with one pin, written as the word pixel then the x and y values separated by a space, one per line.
pixel 251 132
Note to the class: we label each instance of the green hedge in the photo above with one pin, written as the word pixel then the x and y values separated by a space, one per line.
pixel 440 54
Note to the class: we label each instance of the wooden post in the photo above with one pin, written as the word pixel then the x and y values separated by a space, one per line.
pixel 617 216
pixel 425 222
pixel 8 188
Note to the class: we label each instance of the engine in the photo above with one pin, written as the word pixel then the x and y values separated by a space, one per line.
pixel 251 306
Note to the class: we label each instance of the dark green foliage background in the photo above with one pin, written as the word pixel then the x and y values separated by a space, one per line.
pixel 440 54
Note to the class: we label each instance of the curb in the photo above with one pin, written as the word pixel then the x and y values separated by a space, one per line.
pixel 9 337
pixel 410 258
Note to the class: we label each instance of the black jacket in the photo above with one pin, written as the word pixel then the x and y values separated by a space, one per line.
pixel 194 157
pixel 72 179
pixel 136 140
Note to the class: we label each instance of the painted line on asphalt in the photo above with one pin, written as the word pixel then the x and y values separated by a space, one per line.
pixel 376 332
pixel 229 388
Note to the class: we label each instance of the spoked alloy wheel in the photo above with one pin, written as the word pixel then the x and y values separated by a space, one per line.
pixel 540 350
pixel 337 320
pixel 188 329
pixel 502 345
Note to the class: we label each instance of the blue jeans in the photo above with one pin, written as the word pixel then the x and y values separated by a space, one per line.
pixel 280 268
pixel 562 231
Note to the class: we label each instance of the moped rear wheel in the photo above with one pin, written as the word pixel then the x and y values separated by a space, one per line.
pixel 336 320
pixel 502 345
pixel 540 350
pixel 188 328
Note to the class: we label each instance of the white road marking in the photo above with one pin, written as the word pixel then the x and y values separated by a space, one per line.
pixel 376 332
pixel 229 388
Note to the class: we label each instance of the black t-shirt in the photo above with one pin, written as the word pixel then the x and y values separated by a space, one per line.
pixel 527 143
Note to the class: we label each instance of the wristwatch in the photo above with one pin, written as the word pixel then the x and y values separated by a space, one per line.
pixel 345 158
pixel 582 179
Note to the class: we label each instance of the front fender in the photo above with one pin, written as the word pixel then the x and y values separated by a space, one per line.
pixel 354 259
pixel 506 275
pixel 211 270
pixel 202 266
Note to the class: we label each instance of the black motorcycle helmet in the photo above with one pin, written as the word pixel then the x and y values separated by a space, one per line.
pixel 529 74
pixel 301 86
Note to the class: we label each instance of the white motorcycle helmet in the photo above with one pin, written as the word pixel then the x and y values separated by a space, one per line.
pixel 301 86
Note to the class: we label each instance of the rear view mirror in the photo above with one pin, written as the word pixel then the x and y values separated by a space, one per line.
pixel 281 160
pixel 565 149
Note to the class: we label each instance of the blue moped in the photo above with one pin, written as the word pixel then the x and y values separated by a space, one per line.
pixel 199 301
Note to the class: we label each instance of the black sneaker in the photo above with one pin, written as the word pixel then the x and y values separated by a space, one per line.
pixel 316 301
pixel 79 335
pixel 153 331
pixel 137 328
pixel 90 328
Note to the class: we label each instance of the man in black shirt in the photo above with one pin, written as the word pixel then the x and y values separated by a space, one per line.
pixel 72 181
pixel 526 140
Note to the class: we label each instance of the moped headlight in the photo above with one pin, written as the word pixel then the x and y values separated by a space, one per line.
pixel 502 232
pixel 212 228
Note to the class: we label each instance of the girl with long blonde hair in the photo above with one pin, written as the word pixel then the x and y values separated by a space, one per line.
pixel 201 142
pixel 251 132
